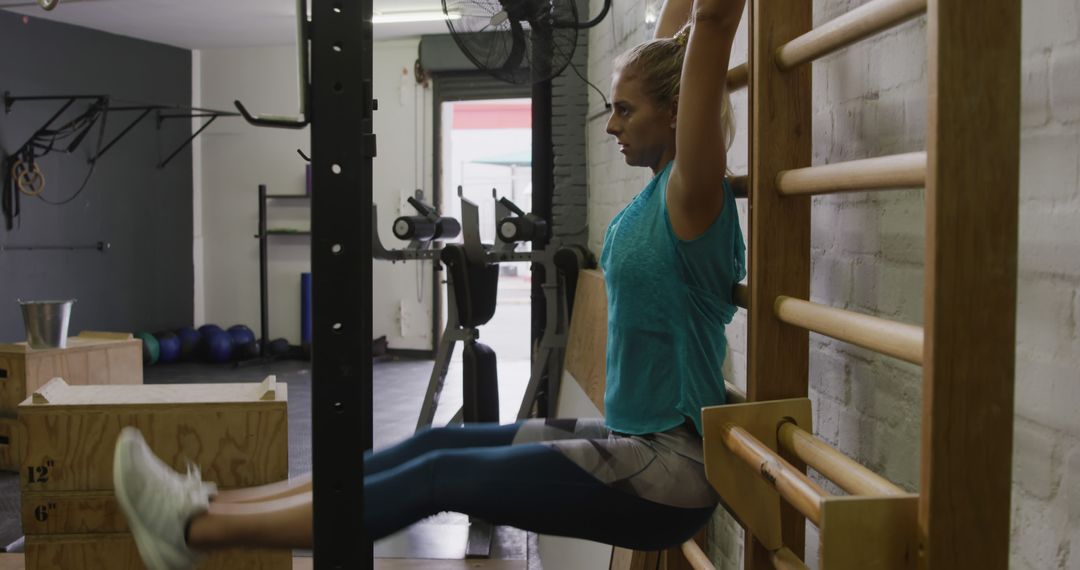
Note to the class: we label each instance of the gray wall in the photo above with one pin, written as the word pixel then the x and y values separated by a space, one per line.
pixel 144 282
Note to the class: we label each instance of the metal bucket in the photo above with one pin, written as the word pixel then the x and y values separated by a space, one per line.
pixel 46 322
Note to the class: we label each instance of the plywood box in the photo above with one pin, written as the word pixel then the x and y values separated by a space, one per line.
pixel 90 358
pixel 236 433
pixel 10 444
pixel 118 552
pixel 71 512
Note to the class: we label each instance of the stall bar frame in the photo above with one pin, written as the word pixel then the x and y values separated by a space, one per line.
pixel 965 344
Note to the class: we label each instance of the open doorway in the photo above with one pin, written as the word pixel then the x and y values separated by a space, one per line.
pixel 485 146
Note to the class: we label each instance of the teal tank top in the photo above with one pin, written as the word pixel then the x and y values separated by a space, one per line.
pixel 668 302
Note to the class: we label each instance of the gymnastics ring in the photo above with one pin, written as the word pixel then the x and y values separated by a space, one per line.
pixel 28 178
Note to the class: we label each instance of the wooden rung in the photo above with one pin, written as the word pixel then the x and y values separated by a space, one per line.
pixel 785 559
pixel 834 465
pixel 741 296
pixel 792 484
pixel 697 559
pixel 860 23
pixel 895 339
pixel 738 77
pixel 740 186
pixel 885 172
pixel 869 532
pixel 734 394
pixel 745 493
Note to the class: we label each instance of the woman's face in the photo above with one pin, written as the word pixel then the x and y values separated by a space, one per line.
pixel 645 132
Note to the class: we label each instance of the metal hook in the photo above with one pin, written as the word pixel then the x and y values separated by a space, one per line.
pixel 305 116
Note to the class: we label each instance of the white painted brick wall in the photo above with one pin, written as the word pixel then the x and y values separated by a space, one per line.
pixel 867 255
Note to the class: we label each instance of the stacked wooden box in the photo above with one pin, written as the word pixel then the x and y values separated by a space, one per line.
pixel 90 358
pixel 236 433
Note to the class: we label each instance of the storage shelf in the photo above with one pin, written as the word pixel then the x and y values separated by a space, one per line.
pixel 288 196
pixel 287 233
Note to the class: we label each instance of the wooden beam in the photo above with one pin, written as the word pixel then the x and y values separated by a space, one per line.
pixel 780 139
pixel 899 340
pixel 973 133
pixel 880 173
pixel 696 557
pixel 740 186
pixel 834 465
pixel 792 484
pixel 738 77
pixel 741 296
pixel 785 559
pixel 860 23
pixel 734 394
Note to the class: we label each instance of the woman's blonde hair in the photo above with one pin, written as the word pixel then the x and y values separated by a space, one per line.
pixel 658 63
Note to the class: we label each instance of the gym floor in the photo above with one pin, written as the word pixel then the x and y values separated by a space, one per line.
pixel 399 388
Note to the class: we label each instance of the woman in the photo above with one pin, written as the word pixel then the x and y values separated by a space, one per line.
pixel 636 479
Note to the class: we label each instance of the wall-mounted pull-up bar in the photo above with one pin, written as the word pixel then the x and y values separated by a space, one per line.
pixel 98 110
pixel 101 246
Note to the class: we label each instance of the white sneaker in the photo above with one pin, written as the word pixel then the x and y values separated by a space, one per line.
pixel 158 502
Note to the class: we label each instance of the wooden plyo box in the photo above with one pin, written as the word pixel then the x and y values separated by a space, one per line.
pixel 236 433
pixel 90 358
pixel 118 552
pixel 10 443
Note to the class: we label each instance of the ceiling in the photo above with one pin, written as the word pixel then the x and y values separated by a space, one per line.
pixel 205 24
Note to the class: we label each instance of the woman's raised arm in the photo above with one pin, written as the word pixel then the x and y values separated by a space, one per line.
pixel 673 16
pixel 695 191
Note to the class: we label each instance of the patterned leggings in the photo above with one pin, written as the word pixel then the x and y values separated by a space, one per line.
pixel 561 477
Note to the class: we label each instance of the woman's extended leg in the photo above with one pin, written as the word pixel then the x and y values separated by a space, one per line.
pixel 529 486
pixel 271 492
pixel 277 523
pixel 532 487
pixel 451 437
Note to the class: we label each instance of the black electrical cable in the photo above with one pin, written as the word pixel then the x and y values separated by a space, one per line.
pixel 590 23
pixel 598 91
pixel 93 164
pixel 73 196
pixel 570 61
pixel 598 18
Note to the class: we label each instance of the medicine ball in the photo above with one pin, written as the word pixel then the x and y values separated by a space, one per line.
pixel 169 345
pixel 246 351
pixel 151 350
pixel 189 342
pixel 279 346
pixel 208 328
pixel 241 335
pixel 206 331
pixel 219 346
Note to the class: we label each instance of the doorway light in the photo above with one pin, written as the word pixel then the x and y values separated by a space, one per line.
pixel 403 17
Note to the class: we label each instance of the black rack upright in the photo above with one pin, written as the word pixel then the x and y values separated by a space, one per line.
pixel 342 147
